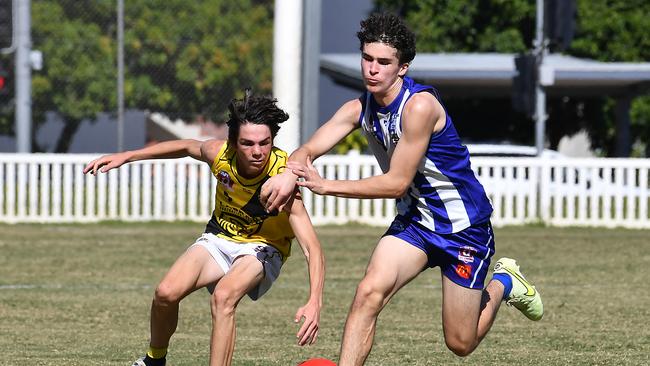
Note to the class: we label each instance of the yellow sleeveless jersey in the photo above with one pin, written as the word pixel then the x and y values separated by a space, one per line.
pixel 238 213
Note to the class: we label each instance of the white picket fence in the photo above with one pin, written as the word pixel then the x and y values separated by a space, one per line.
pixel 561 192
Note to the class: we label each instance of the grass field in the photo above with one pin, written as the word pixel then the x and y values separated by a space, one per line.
pixel 80 295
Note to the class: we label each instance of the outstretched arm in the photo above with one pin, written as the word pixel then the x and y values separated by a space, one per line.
pixel 278 189
pixel 200 150
pixel 311 248
pixel 422 116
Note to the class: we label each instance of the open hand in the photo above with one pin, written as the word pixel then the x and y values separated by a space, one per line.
pixel 308 332
pixel 311 179
pixel 105 163
pixel 277 191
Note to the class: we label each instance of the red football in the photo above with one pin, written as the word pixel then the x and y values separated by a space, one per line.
pixel 318 362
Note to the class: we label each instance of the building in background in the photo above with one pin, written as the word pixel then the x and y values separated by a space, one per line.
pixel 93 136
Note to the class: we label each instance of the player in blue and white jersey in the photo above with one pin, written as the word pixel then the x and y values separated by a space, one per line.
pixel 443 216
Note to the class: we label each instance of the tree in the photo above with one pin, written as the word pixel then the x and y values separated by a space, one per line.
pixel 78 79
pixel 607 30
pixel 616 31
pixel 204 52
pixel 183 58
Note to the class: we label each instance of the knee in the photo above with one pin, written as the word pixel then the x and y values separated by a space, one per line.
pixel 166 295
pixel 369 296
pixel 223 302
pixel 461 346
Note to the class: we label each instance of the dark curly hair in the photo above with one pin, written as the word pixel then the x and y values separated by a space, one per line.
pixel 389 29
pixel 259 110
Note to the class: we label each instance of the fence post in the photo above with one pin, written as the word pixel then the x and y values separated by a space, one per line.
pixel 544 185
pixel 11 190
pixel 354 167
pixel 171 168
pixel 642 197
pixel 45 189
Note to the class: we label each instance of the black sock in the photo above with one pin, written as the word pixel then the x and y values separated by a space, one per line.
pixel 154 361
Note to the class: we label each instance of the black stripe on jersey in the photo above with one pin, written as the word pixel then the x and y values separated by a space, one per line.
pixel 254 207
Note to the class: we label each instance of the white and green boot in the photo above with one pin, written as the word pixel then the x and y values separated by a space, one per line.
pixel 139 362
pixel 523 295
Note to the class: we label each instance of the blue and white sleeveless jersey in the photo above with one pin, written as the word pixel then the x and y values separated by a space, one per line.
pixel 445 195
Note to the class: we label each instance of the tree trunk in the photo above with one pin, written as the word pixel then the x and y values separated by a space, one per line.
pixel 69 130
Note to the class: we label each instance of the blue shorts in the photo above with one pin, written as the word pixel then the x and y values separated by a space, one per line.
pixel 463 257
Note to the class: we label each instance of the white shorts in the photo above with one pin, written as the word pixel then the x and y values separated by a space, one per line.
pixel 225 252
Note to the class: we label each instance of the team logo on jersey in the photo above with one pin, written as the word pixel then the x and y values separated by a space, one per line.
pixel 224 178
pixel 466 254
pixel 389 122
pixel 464 270
pixel 392 128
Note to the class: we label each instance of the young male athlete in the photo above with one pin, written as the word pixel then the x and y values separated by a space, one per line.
pixel 243 247
pixel 443 213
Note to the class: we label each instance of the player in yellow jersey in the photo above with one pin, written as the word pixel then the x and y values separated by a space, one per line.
pixel 243 247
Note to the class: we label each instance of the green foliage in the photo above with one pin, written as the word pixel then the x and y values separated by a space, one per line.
pixel 188 58
pixel 353 141
pixel 183 58
pixel 616 31
pixel 78 79
pixel 613 30
pixel 607 30
pixel 467 25
pixel 640 116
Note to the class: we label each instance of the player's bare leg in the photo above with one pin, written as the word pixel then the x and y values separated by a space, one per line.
pixel 244 275
pixel 192 270
pixel 468 314
pixel 393 264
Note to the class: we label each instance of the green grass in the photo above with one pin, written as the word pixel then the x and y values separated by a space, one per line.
pixel 80 295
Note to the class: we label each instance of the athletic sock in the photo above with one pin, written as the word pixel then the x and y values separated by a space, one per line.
pixel 154 361
pixel 155 356
pixel 506 281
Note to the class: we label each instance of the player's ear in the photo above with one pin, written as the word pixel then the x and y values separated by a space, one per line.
pixel 403 69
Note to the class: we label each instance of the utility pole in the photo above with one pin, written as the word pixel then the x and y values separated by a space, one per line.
pixel 120 75
pixel 309 122
pixel 554 30
pixel 540 51
pixel 23 73
pixel 287 56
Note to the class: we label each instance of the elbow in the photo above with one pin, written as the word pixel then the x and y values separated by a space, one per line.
pixel 399 189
